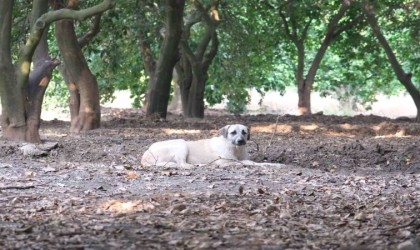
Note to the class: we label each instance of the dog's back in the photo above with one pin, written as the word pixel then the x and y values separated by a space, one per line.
pixel 164 152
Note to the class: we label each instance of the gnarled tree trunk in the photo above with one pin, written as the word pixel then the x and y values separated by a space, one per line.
pixel 31 94
pixel 193 66
pixel 38 83
pixel 12 98
pixel 40 77
pixel 84 91
pixel 22 93
pixel 160 72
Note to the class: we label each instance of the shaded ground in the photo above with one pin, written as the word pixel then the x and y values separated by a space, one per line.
pixel 350 182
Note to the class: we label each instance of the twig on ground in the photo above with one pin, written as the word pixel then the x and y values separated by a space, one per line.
pixel 272 135
pixel 18 187
pixel 402 226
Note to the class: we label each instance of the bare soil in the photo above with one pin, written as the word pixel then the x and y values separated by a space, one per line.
pixel 347 183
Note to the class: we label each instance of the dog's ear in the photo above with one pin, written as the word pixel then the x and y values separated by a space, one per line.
pixel 224 131
pixel 249 133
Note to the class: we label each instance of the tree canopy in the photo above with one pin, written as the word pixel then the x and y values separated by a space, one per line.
pixel 220 49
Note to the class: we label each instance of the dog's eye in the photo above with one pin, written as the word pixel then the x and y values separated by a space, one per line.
pixel 233 132
pixel 243 132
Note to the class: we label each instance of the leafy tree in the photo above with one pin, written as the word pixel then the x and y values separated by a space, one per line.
pixel 14 85
pixel 298 17
pixel 196 59
pixel 113 57
pixel 246 55
pixel 253 49
pixel 402 76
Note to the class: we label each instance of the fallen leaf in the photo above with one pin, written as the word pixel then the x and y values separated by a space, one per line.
pixel 132 176
pixel 49 169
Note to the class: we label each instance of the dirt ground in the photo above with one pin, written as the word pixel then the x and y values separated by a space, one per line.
pixel 347 183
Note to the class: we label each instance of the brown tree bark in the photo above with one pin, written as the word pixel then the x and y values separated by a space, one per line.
pixel 38 83
pixel 160 72
pixel 40 77
pixel 193 66
pixel 83 87
pixel 15 86
pixel 402 76
pixel 185 78
pixel 13 112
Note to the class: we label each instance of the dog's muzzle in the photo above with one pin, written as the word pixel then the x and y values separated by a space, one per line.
pixel 239 142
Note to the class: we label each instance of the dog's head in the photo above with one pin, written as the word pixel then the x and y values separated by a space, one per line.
pixel 237 134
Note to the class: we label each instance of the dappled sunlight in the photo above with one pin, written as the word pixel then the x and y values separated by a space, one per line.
pixel 387 129
pixel 272 128
pixel 25 67
pixel 340 130
pixel 311 127
pixel 347 126
pixel 339 134
pixel 88 110
pixel 119 206
pixel 399 134
pixel 54 133
pixel 170 131
pixel 72 87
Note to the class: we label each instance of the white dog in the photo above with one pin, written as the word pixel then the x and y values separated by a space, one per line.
pixel 228 148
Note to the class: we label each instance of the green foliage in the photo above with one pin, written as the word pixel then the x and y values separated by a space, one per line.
pixel 254 51
pixel 114 56
pixel 21 24
pixel 246 58
pixel 356 66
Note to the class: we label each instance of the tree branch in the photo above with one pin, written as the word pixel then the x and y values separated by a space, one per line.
pixel 286 26
pixel 291 35
pixel 348 25
pixel 305 29
pixel 210 24
pixel 403 77
pixel 327 40
pixel 187 51
pixel 212 53
pixel 27 51
pixel 88 37
pixel 191 21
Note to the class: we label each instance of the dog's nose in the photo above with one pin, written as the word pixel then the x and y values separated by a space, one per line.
pixel 241 142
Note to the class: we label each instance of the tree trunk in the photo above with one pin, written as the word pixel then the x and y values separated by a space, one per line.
pixel 184 73
pixel 195 106
pixel 83 87
pixel 40 77
pixel 304 90
pixel 160 83
pixel 304 94
pixel 22 93
pixel 38 83
pixel 193 67
pixel 13 109
pixel 403 77
pixel 176 103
